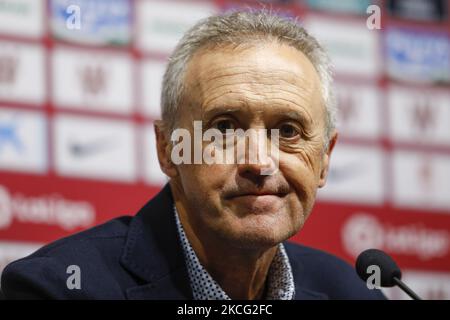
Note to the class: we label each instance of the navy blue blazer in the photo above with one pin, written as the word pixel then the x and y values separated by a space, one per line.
pixel 140 257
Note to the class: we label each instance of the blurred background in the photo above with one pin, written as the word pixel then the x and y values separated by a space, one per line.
pixel 80 87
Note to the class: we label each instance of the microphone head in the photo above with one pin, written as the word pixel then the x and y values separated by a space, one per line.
pixel 388 267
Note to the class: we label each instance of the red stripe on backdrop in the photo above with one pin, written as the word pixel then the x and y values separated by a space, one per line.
pixel 416 239
pixel 37 205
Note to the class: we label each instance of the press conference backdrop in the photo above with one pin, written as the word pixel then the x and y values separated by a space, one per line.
pixel 77 105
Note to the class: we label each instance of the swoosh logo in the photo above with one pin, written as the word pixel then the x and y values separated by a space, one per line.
pixel 9 135
pixel 344 172
pixel 80 150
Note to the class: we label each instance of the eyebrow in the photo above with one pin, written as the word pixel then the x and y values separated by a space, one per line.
pixel 299 116
pixel 217 110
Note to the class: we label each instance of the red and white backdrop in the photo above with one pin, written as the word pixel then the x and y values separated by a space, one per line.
pixel 77 105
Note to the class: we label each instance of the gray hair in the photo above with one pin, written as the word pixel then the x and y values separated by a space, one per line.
pixel 239 28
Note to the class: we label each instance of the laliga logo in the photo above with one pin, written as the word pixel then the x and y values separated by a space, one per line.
pixel 362 231
pixel 50 209
pixel 5 208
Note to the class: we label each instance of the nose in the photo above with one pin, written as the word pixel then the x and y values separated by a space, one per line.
pixel 253 158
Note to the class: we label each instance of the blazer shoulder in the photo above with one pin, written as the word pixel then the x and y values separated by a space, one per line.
pixel 115 228
pixel 44 273
pixel 324 272
pixel 298 251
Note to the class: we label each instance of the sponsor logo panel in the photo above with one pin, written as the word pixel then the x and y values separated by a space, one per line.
pixel 100 22
pixel 23 141
pixel 356 175
pixel 419 116
pixel 161 24
pixel 352 47
pixel 421 180
pixel 93 81
pixel 359 111
pixel 22 17
pixel 95 148
pixel 22 77
pixel 421 56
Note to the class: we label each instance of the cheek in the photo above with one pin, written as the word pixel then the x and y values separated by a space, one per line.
pixel 302 175
pixel 204 178
pixel 203 186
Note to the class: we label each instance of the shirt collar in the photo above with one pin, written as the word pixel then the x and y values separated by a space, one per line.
pixel 280 278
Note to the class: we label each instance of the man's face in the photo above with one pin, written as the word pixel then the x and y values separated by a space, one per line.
pixel 269 86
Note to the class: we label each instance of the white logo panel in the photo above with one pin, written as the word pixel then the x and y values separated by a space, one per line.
pixel 92 148
pixel 161 24
pixel 419 116
pixel 22 76
pixel 356 175
pixel 23 141
pixel 22 17
pixel 359 111
pixel 421 180
pixel 93 81
pixel 353 48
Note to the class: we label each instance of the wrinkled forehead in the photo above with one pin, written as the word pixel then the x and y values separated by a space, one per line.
pixel 258 72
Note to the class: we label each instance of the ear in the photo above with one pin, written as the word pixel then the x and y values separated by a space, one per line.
pixel 326 160
pixel 164 149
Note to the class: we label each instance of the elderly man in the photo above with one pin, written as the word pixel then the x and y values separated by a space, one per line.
pixel 218 229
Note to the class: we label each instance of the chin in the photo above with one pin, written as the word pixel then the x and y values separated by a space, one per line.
pixel 259 232
pixel 256 241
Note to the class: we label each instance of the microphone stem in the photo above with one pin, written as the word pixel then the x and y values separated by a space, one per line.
pixel 406 289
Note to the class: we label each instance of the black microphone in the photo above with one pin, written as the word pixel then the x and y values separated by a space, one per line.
pixel 390 274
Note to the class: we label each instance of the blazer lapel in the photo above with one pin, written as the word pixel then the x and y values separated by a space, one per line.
pixel 171 287
pixel 301 292
pixel 153 252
